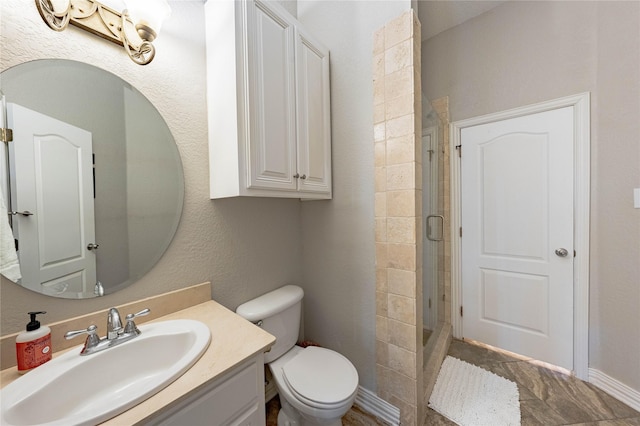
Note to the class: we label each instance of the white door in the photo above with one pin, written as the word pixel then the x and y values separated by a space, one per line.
pixel 517 235
pixel 52 177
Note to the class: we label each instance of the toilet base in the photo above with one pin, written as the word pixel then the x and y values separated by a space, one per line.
pixel 289 416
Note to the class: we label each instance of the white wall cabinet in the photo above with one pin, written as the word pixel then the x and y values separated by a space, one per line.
pixel 268 103
pixel 235 399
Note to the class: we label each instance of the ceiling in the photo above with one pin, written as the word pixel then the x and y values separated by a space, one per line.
pixel 437 16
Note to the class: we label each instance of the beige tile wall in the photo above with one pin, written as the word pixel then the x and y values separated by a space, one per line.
pixel 398 212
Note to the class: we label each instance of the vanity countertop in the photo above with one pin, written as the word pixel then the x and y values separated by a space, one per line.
pixel 233 340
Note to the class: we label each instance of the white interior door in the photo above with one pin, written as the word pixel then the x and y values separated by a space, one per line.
pixel 517 234
pixel 52 177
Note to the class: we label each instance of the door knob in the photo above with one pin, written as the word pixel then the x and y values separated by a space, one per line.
pixel 562 252
pixel 92 246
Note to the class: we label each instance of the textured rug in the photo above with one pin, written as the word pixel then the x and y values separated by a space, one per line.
pixel 471 396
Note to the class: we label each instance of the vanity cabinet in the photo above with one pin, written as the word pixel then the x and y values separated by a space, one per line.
pixel 237 398
pixel 268 103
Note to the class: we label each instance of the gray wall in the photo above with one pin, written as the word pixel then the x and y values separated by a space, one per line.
pixel 526 52
pixel 245 247
pixel 338 237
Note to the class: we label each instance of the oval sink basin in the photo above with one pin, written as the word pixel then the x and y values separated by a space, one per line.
pixel 86 390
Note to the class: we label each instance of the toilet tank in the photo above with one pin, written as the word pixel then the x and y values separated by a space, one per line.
pixel 279 311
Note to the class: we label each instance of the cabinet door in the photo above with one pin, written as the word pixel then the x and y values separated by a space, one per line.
pixel 271 98
pixel 313 113
pixel 236 399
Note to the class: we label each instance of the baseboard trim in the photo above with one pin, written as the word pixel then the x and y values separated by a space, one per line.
pixel 373 404
pixel 615 388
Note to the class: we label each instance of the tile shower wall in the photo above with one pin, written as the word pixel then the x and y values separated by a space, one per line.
pixel 398 212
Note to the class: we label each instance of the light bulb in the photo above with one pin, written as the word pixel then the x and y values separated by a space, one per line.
pixel 148 15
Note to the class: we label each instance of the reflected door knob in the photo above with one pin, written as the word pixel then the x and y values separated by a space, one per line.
pixel 562 252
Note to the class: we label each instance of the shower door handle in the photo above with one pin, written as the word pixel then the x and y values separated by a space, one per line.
pixel 430 233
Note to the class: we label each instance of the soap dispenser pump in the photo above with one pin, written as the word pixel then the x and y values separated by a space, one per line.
pixel 33 347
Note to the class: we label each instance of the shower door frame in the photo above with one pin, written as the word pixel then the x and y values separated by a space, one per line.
pixel 430 251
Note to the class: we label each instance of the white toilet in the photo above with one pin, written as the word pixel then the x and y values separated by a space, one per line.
pixel 317 386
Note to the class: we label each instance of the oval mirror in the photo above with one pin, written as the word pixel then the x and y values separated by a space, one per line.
pixel 95 177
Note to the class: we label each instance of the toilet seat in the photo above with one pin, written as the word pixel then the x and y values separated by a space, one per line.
pixel 320 377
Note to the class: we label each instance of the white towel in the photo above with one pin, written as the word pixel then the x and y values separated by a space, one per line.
pixel 9 266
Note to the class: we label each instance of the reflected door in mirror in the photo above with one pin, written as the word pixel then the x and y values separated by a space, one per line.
pixel 48 155
pixel 138 190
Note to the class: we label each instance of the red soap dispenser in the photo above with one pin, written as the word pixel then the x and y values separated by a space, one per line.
pixel 33 347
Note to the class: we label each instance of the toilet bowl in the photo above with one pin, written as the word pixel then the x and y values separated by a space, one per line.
pixel 317 386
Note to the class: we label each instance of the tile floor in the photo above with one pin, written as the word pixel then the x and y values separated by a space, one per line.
pixel 547 397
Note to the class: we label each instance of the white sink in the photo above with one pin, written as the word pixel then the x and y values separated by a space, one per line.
pixel 86 390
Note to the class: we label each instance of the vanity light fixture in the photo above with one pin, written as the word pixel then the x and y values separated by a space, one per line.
pixel 134 28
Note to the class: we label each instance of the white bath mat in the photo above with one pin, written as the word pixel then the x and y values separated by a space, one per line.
pixel 471 396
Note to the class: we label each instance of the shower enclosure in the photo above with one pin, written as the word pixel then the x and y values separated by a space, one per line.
pixel 433 219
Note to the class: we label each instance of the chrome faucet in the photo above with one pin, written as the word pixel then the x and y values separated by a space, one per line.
pixel 114 325
pixel 116 334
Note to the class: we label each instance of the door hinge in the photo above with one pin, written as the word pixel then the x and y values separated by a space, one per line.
pixel 461 232
pixel 461 311
pixel 574 253
pixel 459 149
pixel 429 303
pixel 6 135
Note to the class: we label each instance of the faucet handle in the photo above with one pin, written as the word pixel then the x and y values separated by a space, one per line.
pixel 130 326
pixel 92 338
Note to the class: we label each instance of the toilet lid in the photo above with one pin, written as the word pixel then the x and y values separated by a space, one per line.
pixel 321 376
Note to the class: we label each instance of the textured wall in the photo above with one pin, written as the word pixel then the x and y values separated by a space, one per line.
pixel 245 247
pixel 526 52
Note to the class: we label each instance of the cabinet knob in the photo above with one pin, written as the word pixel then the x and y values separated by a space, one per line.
pixel 303 177
pixel 296 176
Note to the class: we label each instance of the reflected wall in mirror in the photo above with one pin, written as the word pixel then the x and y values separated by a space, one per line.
pixel 96 164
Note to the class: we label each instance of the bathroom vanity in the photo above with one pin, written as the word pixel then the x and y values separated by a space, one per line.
pixel 225 386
